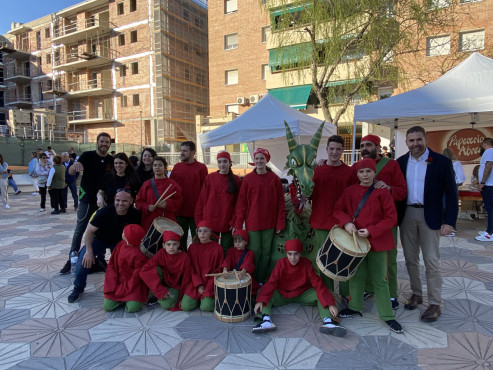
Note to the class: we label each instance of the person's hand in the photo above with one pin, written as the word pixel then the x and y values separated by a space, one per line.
pixel 168 295
pixel 201 289
pixel 162 204
pixel 480 187
pixel 381 185
pixel 350 228
pixel 78 166
pixel 320 162
pixel 88 259
pixel 334 311
pixel 100 201
pixel 242 274
pixel 364 233
pixel 258 307
pixel 152 208
pixel 446 230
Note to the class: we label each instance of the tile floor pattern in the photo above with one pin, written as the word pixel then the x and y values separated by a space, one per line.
pixel 40 330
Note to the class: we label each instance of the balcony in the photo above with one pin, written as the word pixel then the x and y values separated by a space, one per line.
pixel 83 117
pixel 91 27
pixel 89 59
pixel 21 53
pixel 21 75
pixel 96 87
pixel 19 101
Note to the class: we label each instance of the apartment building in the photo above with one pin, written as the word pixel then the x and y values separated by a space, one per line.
pixel 137 69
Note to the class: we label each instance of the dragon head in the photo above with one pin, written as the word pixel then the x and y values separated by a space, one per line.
pixel 302 160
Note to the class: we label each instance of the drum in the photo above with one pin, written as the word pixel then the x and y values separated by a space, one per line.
pixel 153 240
pixel 341 254
pixel 233 298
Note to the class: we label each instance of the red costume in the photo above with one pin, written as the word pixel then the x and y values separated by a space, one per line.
pixel 291 281
pixel 391 174
pixel 215 204
pixel 260 202
pixel 146 198
pixel 233 256
pixel 121 281
pixel 191 177
pixel 378 215
pixel 330 182
pixel 207 258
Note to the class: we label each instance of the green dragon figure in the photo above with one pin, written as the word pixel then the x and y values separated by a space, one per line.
pixel 302 161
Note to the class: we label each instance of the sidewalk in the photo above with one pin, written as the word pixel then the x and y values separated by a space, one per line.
pixel 39 329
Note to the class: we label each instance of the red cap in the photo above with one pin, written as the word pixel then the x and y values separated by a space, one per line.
pixel 134 234
pixel 242 233
pixel 294 245
pixel 224 154
pixel 365 163
pixel 204 223
pixel 171 235
pixel 373 138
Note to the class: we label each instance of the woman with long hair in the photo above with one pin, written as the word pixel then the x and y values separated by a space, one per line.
pixel 217 199
pixel 144 169
pixel 121 176
pixel 152 190
pixel 4 182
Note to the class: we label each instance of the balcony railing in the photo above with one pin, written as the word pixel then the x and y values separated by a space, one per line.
pixel 12 99
pixel 84 115
pixel 97 83
pixel 76 26
pixel 13 71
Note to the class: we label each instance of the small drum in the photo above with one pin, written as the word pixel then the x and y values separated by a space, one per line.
pixel 153 241
pixel 233 298
pixel 341 254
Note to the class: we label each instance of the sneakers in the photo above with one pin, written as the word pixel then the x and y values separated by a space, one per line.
pixel 394 326
pixel 451 234
pixel 485 237
pixel 66 268
pixel 347 312
pixel 332 327
pixel 55 212
pixel 152 301
pixel 367 295
pixel 7 206
pixel 17 192
pixel 34 193
pixel 480 233
pixel 74 296
pixel 42 210
pixel 265 326
pixel 395 303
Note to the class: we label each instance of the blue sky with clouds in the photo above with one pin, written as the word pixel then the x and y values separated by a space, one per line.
pixel 28 10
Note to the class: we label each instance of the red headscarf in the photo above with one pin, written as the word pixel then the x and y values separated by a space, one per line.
pixel 242 233
pixel 224 154
pixel 294 245
pixel 263 151
pixel 134 234
pixel 171 235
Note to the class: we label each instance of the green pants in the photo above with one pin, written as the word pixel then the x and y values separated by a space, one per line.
pixel 130 306
pixel 186 223
pixel 260 242
pixel 206 304
pixel 167 303
pixel 374 266
pixel 226 240
pixel 308 298
pixel 392 269
pixel 320 237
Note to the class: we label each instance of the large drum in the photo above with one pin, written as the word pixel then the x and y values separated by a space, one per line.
pixel 153 241
pixel 341 254
pixel 233 298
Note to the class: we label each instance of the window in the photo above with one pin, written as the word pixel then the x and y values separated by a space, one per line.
pixel 133 36
pixel 232 108
pixel 231 41
pixel 437 4
pixel 133 5
pixel 48 58
pixel 49 85
pixel 186 14
pixel 265 71
pixel 200 79
pixel 186 47
pixel 119 8
pixel 121 39
pixel 439 45
pixel 135 68
pixel 471 40
pixel 469 1
pixel 197 22
pixel 123 70
pixel 265 30
pixel 385 92
pixel 47 33
pixel 124 101
pixel 38 40
pixel 230 6
pixel 135 100
pixel 40 61
pixel 40 91
pixel 231 77
pixel 187 74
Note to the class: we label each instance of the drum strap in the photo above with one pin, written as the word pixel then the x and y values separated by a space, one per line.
pixel 363 201
pixel 153 183
pixel 238 265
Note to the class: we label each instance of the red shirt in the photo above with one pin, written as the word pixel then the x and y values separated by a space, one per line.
pixel 191 177
pixel 291 281
pixel 378 215
pixel 260 203
pixel 146 198
pixel 330 182
pixel 391 174
pixel 121 280
pixel 215 204
pixel 233 256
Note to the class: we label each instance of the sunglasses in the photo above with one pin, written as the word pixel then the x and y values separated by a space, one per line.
pixel 123 189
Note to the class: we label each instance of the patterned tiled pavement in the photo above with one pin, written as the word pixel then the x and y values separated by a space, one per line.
pixel 40 330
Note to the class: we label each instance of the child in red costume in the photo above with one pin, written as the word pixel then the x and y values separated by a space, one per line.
pixel 234 255
pixel 121 281
pixel 207 258
pixel 168 273
pixel 375 221
pixel 294 280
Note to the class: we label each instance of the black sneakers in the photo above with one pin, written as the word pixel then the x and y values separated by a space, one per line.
pixel 74 296
pixel 395 303
pixel 66 268
pixel 347 312
pixel 395 326
pixel 332 327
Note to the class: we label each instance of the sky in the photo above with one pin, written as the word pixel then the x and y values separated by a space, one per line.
pixel 28 10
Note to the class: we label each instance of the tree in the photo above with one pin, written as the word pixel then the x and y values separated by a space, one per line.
pixel 347 48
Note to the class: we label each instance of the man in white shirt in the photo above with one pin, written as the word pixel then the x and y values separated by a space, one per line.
pixel 486 187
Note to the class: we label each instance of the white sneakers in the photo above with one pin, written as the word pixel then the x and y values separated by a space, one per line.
pixel 7 206
pixel 483 236
pixel 42 210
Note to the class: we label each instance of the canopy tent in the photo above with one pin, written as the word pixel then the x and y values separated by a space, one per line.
pixel 263 126
pixel 462 96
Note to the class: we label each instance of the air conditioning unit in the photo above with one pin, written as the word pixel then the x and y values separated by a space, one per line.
pixel 254 99
pixel 242 100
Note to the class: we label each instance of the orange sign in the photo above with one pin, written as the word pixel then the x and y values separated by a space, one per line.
pixel 466 143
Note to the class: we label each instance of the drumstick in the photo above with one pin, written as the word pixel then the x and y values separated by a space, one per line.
pixel 219 274
pixel 356 242
pixel 173 193
pixel 162 195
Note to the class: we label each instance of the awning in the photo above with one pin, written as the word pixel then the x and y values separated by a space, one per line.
pixel 288 9
pixel 290 55
pixel 294 96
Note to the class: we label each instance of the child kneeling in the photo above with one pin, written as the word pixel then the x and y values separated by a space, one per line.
pixel 122 283
pixel 294 280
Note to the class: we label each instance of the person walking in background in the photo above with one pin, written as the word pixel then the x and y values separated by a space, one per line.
pixel 72 154
pixel 70 182
pixel 12 182
pixel 134 159
pixel 32 172
pixel 42 171
pixel 55 185
pixel 4 182
pixel 460 178
pixel 486 187
pixel 50 153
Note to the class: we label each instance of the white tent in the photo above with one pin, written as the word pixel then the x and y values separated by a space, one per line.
pixel 462 96
pixel 263 126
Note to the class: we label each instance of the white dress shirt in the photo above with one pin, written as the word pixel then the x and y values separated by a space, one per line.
pixel 415 178
pixel 486 157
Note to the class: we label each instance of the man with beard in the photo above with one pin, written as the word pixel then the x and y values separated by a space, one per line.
pixel 486 187
pixel 94 165
pixel 430 179
pixel 190 175
pixel 388 176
